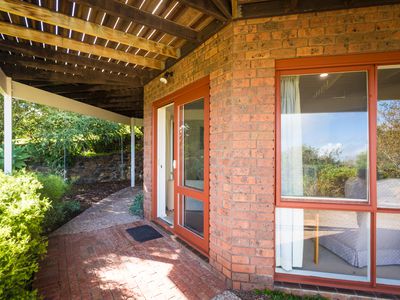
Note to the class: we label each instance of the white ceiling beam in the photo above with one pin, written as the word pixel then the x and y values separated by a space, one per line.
pixel 35 95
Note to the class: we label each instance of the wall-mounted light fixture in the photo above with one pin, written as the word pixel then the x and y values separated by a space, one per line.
pixel 164 78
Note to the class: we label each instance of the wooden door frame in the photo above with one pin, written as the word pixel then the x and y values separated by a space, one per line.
pixel 200 87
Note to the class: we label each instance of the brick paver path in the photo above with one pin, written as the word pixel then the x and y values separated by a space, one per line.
pixel 108 264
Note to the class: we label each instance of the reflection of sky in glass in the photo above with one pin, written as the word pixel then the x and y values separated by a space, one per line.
pixel 347 130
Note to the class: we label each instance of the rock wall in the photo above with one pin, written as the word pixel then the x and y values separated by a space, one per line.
pixel 106 168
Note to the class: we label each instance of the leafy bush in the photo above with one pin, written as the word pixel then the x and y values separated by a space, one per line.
pixel 19 157
pixel 332 179
pixel 54 186
pixel 136 207
pixel 22 211
pixel 60 213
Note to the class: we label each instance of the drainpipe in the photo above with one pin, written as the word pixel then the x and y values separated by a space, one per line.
pixel 132 152
pixel 8 127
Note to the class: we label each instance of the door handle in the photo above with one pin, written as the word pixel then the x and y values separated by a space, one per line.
pixel 174 164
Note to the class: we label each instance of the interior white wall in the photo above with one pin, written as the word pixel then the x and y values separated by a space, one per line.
pixel 161 162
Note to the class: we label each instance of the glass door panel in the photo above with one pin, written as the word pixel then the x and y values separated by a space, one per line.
pixel 191 132
pixel 192 156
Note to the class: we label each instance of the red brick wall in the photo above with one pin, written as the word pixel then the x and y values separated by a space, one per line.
pixel 240 61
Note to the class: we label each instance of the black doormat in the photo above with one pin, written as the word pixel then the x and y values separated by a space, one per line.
pixel 143 233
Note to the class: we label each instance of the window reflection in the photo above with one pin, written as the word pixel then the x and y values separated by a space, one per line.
pixel 388 129
pixel 324 135
pixel 192 137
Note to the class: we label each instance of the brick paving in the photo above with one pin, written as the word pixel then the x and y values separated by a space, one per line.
pixel 108 264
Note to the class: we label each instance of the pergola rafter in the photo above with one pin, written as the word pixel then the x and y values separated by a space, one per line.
pixel 56 40
pixel 89 49
pixel 57 19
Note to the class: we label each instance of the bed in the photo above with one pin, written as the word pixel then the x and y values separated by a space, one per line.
pixel 352 243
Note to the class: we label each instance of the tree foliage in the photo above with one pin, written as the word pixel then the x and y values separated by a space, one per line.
pixel 389 139
pixel 49 133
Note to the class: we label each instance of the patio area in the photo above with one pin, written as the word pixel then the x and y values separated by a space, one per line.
pixel 105 262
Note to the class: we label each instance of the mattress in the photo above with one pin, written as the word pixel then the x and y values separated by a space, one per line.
pixel 352 246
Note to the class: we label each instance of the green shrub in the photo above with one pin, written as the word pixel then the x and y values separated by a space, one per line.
pixel 278 295
pixel 60 213
pixel 136 207
pixel 54 186
pixel 19 157
pixel 332 179
pixel 22 210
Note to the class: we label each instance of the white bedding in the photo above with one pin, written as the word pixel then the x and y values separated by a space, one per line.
pixel 348 246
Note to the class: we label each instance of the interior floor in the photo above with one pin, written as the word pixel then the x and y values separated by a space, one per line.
pixel 169 218
pixel 331 263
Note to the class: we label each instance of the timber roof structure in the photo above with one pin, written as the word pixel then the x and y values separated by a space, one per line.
pixel 102 52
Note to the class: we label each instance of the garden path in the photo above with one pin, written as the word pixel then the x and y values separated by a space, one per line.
pixel 103 262
pixel 108 212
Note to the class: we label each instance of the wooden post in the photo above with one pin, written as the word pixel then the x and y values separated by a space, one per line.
pixel 235 13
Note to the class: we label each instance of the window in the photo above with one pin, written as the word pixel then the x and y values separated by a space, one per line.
pixel 338 197
pixel 330 244
pixel 324 136
pixel 388 248
pixel 388 137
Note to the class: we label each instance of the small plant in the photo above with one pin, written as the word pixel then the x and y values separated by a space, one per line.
pixel 136 207
pixel 279 295
pixel 54 186
pixel 60 213
pixel 19 157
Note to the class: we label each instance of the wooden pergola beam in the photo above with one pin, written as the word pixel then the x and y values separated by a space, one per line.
pixel 22 73
pixel 270 8
pixel 66 89
pixel 205 6
pixel 56 40
pixel 138 16
pixel 123 93
pixel 45 15
pixel 61 68
pixel 224 6
pixel 50 54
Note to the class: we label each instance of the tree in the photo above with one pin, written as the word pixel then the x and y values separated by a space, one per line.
pixel 389 139
pixel 49 134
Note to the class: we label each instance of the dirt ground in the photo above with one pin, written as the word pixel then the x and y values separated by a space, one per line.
pixel 87 194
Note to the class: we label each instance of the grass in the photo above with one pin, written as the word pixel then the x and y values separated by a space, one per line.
pixel 278 295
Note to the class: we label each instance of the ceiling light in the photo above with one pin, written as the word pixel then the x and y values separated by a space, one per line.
pixel 323 75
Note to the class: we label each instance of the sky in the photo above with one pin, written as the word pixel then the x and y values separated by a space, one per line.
pixel 347 131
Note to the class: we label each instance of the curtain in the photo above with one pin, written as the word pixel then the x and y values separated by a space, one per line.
pixel 290 221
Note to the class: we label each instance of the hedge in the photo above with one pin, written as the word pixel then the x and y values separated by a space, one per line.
pixel 22 210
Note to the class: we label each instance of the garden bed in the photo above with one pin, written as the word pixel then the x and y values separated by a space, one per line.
pixel 90 193
pixel 272 295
